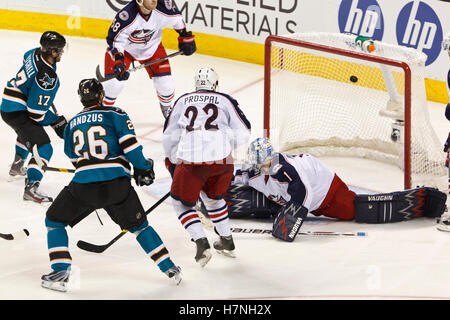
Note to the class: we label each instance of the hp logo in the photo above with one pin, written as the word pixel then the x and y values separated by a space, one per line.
pixel 418 27
pixel 361 17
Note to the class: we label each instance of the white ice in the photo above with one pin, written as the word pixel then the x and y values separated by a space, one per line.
pixel 408 260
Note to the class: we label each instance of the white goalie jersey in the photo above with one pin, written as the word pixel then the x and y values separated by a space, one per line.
pixel 204 126
pixel 300 178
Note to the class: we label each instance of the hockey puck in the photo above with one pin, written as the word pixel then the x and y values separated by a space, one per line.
pixel 353 78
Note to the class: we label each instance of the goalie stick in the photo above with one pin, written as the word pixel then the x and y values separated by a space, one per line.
pixel 16 235
pixel 209 225
pixel 101 78
pixel 101 248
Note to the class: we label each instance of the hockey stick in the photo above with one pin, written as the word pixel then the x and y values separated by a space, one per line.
pixel 100 248
pixel 209 225
pixel 16 235
pixel 44 167
pixel 303 233
pixel 101 78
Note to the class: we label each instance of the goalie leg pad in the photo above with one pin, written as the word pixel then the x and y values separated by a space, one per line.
pixel 288 221
pixel 399 206
pixel 246 202
pixel 434 203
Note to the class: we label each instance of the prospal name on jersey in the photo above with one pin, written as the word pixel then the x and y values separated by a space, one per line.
pixel 86 118
pixel 380 198
pixel 201 98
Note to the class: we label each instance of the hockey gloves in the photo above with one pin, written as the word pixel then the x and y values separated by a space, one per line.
pixel 59 125
pixel 288 221
pixel 144 177
pixel 186 42
pixel 120 69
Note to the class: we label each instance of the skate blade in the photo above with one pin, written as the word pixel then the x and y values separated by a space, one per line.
pixel 207 256
pixel 55 286
pixel 177 279
pixel 227 253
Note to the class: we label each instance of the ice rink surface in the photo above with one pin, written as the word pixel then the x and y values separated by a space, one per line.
pixel 408 260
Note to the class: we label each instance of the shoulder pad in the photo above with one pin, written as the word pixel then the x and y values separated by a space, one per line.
pixel 128 13
pixel 167 7
pixel 46 76
pixel 104 108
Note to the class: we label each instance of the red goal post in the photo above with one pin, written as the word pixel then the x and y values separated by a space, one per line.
pixel 278 48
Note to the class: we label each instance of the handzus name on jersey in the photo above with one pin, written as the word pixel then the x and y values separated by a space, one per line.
pixel 380 198
pixel 86 118
pixel 201 98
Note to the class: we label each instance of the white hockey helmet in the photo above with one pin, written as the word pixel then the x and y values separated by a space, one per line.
pixel 206 79
pixel 260 152
pixel 140 2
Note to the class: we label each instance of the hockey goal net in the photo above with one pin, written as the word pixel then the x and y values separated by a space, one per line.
pixel 327 96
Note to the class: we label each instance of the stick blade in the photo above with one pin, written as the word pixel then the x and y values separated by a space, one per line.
pixel 22 234
pixel 98 74
pixel 86 246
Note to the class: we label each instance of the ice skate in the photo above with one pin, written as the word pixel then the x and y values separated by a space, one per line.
pixel 31 193
pixel 175 274
pixel 225 246
pixel 17 169
pixel 56 280
pixel 203 254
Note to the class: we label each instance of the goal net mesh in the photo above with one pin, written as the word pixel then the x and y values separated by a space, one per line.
pixel 328 104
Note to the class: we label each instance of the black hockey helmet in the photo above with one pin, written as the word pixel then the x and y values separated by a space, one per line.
pixel 91 92
pixel 52 40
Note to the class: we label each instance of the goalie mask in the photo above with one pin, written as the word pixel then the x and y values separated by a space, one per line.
pixel 206 79
pixel 260 152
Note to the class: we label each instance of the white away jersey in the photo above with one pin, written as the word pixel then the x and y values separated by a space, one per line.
pixel 301 178
pixel 204 126
pixel 140 36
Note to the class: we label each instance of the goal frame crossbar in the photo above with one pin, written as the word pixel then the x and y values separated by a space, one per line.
pixel 351 54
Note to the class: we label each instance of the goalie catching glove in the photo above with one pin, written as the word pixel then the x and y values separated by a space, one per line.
pixel 144 177
pixel 288 221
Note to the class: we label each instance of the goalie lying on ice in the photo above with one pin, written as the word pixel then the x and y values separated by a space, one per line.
pixel 288 187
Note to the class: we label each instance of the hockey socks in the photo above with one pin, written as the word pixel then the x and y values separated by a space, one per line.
pixel 153 246
pixel 218 213
pixel 189 219
pixel 58 245
pixel 34 172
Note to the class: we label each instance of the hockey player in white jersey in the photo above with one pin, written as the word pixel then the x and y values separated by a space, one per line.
pixel 199 137
pixel 302 184
pixel 135 35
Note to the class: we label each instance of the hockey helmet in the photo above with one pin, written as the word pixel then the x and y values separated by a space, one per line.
pixel 206 79
pixel 52 40
pixel 91 92
pixel 260 152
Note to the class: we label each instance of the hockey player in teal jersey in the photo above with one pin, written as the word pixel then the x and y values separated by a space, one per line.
pixel 101 143
pixel 25 107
